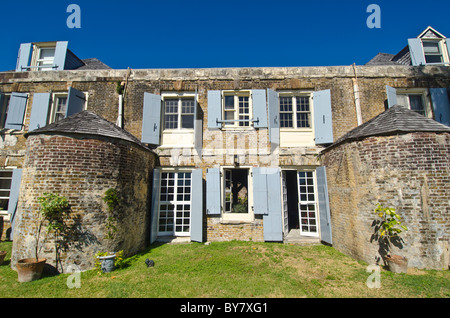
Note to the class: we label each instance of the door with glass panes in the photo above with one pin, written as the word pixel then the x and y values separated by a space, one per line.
pixel 299 202
pixel 175 204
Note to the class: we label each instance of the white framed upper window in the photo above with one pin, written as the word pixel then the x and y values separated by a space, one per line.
pixel 433 51
pixel 59 107
pixel 179 112
pixel 415 99
pixel 4 109
pixel 43 58
pixel 237 109
pixel 295 111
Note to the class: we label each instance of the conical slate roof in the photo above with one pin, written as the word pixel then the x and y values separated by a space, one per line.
pixel 397 119
pixel 90 124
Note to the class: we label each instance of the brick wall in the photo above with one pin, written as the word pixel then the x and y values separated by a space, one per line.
pixel 410 173
pixel 82 170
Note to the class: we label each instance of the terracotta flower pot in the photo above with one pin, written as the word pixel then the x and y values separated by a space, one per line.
pixel 2 256
pixel 397 263
pixel 28 269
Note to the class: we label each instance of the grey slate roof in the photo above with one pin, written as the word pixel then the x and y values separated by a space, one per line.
pixel 397 119
pixel 89 124
pixel 93 64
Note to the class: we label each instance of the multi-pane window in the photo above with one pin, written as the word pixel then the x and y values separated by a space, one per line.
pixel 295 112
pixel 236 110
pixel 414 102
pixel 175 203
pixel 45 59
pixel 432 52
pixel 307 202
pixel 59 107
pixel 179 113
pixel 5 187
pixel 4 109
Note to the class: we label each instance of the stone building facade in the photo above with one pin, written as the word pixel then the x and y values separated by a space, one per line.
pixel 238 149
pixel 81 164
pixel 399 160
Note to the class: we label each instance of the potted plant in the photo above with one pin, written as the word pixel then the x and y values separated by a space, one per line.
pixel 389 228
pixel 51 212
pixel 108 261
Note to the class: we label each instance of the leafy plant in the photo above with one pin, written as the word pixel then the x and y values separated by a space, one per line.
pixel 388 228
pixel 111 199
pixel 52 210
pixel 118 261
pixel 390 225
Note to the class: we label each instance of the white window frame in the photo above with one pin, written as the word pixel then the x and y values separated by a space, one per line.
pixel 293 95
pixel 179 97
pixel 308 202
pixel 175 201
pixel 443 52
pixel 4 190
pixel 237 217
pixel 37 62
pixel 54 104
pixel 415 91
pixel 4 109
pixel 236 116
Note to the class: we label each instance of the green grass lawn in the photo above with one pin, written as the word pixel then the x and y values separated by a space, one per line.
pixel 232 270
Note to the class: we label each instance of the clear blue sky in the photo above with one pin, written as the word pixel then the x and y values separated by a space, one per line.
pixel 245 33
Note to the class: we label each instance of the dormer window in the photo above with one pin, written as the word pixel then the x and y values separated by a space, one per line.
pixel 46 56
pixel 432 51
pixel 430 47
pixel 45 59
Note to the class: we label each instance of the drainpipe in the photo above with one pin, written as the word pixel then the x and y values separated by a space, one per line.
pixel 119 121
pixel 120 111
pixel 356 94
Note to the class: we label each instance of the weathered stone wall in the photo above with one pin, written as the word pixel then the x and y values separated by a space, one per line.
pixel 82 169
pixel 219 146
pixel 410 173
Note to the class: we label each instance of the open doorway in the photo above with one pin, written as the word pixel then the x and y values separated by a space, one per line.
pixel 299 203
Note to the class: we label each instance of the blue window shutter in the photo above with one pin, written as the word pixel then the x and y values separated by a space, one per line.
pixel 2 99
pixel 155 205
pixel 447 42
pixel 197 206
pixel 198 128
pixel 416 52
pixel 213 192
pixel 273 221
pixel 76 101
pixel 260 191
pixel 23 59
pixel 60 55
pixel 151 120
pixel 14 196
pixel 259 108
pixel 441 105
pixel 323 124
pixel 273 109
pixel 16 111
pixel 214 109
pixel 391 96
pixel 39 111
pixel 324 205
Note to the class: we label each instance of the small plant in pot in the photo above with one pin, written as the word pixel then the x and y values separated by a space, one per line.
pixel 109 261
pixel 51 215
pixel 388 229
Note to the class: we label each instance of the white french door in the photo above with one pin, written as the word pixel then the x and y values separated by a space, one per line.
pixel 175 204
pixel 307 204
